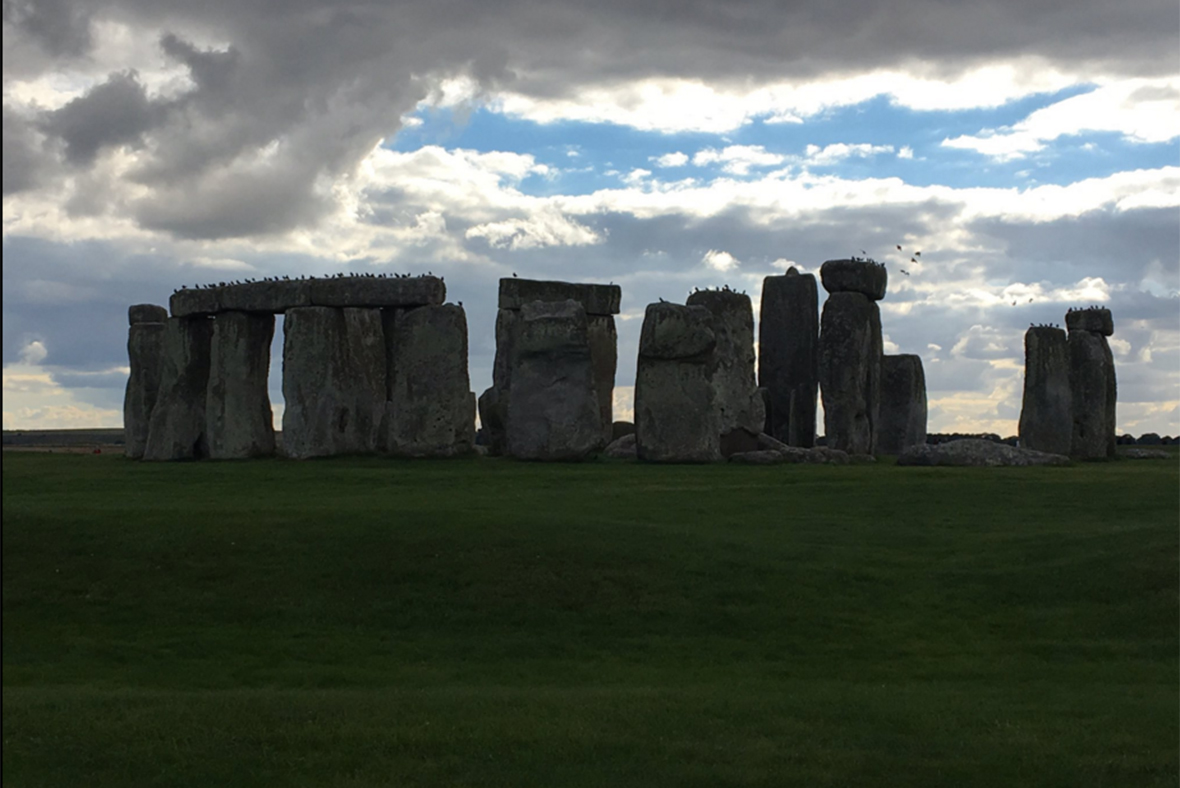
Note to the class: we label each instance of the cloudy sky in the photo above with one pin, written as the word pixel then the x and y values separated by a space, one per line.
pixel 1027 148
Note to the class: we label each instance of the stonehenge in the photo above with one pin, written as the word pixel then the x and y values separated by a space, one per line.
pixel 1070 390
pixel 788 359
pixel 599 304
pixel 850 354
pixel 675 415
pixel 902 420
pixel 378 365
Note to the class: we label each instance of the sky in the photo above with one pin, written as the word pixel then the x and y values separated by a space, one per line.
pixel 1028 149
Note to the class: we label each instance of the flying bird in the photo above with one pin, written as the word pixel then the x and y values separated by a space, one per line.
pixel 918 254
pixel 899 247
pixel 907 273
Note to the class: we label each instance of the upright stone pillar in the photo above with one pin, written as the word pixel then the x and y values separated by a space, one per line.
pixel 740 410
pixel 334 381
pixel 145 351
pixel 903 404
pixel 788 356
pixel 850 354
pixel 177 427
pixel 1046 412
pixel 1093 389
pixel 238 418
pixel 553 406
pixel 676 418
pixel 430 410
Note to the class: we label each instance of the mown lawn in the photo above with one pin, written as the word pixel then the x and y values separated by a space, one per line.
pixel 367 622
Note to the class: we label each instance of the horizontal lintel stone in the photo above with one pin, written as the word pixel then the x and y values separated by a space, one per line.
pixel 595 299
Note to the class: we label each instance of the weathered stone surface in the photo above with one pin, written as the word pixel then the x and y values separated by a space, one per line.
pixel 146 313
pixel 976 452
pixel 676 418
pixel 333 381
pixel 819 455
pixel 177 428
pixel 1046 413
pixel 553 408
pixel 850 372
pixel 621 428
pixel 267 296
pixel 673 332
pixel 903 404
pixel 604 356
pixel 373 291
pixel 195 302
pixel 758 457
pixel 430 410
pixel 238 420
pixel 622 448
pixel 1093 393
pixel 595 299
pixel 738 441
pixel 736 397
pixel 855 276
pixel 788 356
pixel 145 351
pixel 1096 319
pixel 1146 454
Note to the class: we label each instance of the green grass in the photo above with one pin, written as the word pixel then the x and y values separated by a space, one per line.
pixel 366 622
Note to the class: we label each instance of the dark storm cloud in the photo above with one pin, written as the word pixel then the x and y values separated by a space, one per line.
pixel 116 112
pixel 24 161
pixel 327 80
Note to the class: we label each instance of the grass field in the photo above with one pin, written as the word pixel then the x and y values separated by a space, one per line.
pixel 367 622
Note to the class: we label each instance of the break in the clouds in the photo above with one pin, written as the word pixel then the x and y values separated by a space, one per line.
pixel 1028 150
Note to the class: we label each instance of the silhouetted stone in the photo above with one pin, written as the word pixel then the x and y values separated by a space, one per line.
pixel 1137 453
pixel 493 417
pixel 604 356
pixel 1095 319
pixel 145 351
pixel 739 404
pixel 788 357
pixel 622 448
pixel 177 428
pixel 974 452
pixel 850 371
pixel 1093 393
pixel 621 428
pixel 195 303
pixel 430 410
pixel 146 313
pixel 738 441
pixel 553 411
pixel 758 457
pixel 373 292
pixel 239 422
pixel 595 299
pixel 675 416
pixel 1046 413
pixel 333 381
pixel 268 296
pixel 855 276
pixel 902 420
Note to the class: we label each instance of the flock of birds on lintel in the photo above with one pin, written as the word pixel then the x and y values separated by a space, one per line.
pixel 212 285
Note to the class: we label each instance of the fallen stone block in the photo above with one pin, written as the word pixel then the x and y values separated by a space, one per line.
pixel 622 448
pixel 758 457
pixel 978 453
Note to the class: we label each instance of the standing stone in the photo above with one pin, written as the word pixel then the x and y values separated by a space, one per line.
pixel 238 420
pixel 146 313
pixel 145 351
pixel 903 404
pixel 600 303
pixel 430 411
pixel 1093 389
pixel 850 371
pixel 740 410
pixel 334 381
pixel 788 357
pixel 676 418
pixel 553 411
pixel 1046 413
pixel 177 427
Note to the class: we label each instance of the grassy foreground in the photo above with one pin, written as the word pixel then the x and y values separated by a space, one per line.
pixel 365 622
